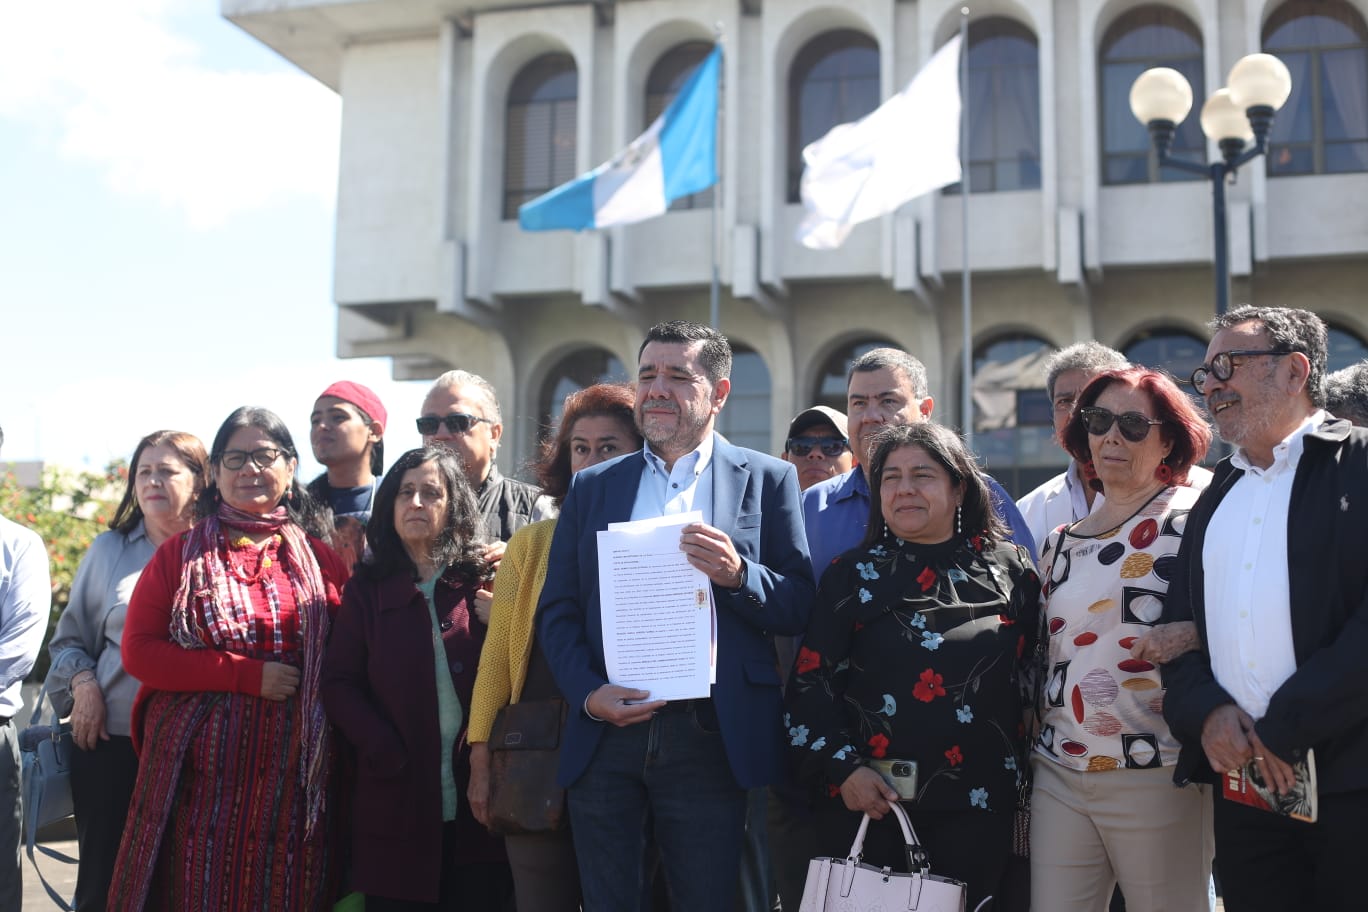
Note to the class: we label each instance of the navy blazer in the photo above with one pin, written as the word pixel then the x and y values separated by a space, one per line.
pixel 755 501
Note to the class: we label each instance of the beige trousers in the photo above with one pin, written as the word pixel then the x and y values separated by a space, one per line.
pixel 1092 830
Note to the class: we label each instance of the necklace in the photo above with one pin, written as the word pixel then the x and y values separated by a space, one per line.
pixel 266 555
pixel 1112 529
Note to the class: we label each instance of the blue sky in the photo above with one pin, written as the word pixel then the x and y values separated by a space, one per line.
pixel 167 193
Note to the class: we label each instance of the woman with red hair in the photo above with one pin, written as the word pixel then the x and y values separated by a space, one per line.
pixel 1104 809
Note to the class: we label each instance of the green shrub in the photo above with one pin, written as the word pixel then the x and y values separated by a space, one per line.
pixel 68 509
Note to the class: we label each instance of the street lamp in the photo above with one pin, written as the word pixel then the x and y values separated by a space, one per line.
pixel 1256 88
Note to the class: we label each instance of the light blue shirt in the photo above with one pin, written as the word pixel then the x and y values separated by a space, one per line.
pixel 90 631
pixel 687 486
pixel 25 603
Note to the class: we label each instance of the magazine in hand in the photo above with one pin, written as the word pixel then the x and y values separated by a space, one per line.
pixel 1246 786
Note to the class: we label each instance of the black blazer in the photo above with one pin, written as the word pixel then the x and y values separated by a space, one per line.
pixel 1324 704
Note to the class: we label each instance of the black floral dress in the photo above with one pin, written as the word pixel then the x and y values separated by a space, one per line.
pixel 916 652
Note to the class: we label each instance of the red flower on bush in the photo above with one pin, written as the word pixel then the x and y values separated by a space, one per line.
pixel 954 756
pixel 807 660
pixel 878 745
pixel 929 686
pixel 927 578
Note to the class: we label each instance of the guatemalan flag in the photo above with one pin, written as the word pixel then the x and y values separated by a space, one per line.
pixel 676 156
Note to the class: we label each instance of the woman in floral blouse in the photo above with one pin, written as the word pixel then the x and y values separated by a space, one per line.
pixel 914 654
pixel 1104 807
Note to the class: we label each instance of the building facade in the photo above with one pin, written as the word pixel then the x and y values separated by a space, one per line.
pixel 454 114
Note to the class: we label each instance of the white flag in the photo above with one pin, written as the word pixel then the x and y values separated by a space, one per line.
pixel 907 147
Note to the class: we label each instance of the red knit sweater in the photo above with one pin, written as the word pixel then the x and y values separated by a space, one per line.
pixel 159 663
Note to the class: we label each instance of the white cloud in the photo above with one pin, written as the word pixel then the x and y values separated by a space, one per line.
pixel 117 87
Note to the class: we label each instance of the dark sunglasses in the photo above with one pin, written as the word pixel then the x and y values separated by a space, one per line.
pixel 1134 426
pixel 830 446
pixel 262 458
pixel 456 423
pixel 1223 368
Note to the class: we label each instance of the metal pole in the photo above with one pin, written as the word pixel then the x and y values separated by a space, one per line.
pixel 715 292
pixel 1221 253
pixel 966 299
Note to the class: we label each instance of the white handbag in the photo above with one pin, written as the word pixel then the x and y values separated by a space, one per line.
pixel 850 885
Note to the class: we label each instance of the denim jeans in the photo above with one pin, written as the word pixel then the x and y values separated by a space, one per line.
pixel 756 893
pixel 11 813
pixel 672 773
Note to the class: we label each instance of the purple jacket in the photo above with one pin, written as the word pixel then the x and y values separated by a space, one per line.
pixel 379 691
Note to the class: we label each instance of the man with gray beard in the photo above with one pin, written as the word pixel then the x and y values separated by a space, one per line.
pixel 1272 570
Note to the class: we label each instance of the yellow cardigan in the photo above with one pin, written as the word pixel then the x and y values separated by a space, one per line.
pixel 508 642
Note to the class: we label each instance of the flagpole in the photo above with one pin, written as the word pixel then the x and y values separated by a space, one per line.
pixel 966 303
pixel 714 297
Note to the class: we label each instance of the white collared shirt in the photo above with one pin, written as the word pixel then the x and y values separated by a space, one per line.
pixel 1058 502
pixel 25 604
pixel 1244 558
pixel 687 486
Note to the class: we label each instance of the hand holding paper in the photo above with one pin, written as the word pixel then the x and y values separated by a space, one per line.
pixel 622 705
pixel 711 551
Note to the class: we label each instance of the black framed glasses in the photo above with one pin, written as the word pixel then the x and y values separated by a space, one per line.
pixel 831 447
pixel 456 423
pixel 1223 365
pixel 263 458
pixel 1134 426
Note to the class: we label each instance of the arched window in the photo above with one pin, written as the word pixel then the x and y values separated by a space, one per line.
pixel 1172 350
pixel 745 419
pixel 1148 36
pixel 667 78
pixel 1013 419
pixel 1345 349
pixel 1004 107
pixel 834 80
pixel 574 372
pixel 1176 352
pixel 831 383
pixel 1323 128
pixel 539 130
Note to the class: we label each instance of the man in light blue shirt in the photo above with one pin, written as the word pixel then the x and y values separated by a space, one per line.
pixel 25 603
pixel 884 387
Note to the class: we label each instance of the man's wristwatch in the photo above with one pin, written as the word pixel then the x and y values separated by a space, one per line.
pixel 740 578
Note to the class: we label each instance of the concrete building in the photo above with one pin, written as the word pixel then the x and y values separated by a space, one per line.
pixel 455 113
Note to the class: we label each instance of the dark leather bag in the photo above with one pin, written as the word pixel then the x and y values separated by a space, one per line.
pixel 524 755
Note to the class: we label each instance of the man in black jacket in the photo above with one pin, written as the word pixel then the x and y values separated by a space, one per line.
pixel 1274 571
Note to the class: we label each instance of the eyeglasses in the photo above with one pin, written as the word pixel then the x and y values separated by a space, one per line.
pixel 262 458
pixel 1134 426
pixel 1222 367
pixel 830 446
pixel 456 423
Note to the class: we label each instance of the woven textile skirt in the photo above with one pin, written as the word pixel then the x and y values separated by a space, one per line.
pixel 218 814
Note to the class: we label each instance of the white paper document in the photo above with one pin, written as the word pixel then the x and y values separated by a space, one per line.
pixel 659 627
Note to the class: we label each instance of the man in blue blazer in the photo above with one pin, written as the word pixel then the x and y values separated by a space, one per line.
pixel 630 762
